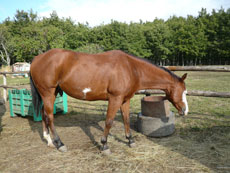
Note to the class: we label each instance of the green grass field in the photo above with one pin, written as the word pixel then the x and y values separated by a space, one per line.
pixel 15 81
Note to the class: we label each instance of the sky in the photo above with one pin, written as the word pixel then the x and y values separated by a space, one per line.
pixel 97 12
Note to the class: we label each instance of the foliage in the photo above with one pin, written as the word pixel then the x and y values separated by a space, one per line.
pixel 158 37
pixel 90 48
pixel 204 39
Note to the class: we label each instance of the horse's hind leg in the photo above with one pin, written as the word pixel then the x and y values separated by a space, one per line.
pixel 45 126
pixel 48 119
pixel 126 119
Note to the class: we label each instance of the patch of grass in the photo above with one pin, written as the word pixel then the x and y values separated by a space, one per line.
pixel 207 81
pixel 15 81
pixel 18 81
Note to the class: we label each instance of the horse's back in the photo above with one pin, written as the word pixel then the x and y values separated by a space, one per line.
pixel 101 74
pixel 76 73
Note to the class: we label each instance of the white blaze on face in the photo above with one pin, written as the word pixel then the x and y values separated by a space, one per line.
pixel 85 91
pixel 184 99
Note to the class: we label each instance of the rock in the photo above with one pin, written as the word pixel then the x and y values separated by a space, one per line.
pixel 2 102
pixel 156 127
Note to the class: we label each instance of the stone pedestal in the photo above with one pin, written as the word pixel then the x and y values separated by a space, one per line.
pixel 155 119
pixel 2 101
pixel 155 106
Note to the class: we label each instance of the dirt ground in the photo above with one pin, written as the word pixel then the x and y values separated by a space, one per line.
pixel 22 148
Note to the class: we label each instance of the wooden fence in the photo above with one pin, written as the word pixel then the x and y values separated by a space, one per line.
pixel 190 93
pixel 199 68
pixel 5 86
pixel 172 68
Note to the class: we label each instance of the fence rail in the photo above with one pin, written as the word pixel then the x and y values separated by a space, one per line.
pixel 172 68
pixel 199 68
pixel 17 72
pixel 5 86
pixel 190 93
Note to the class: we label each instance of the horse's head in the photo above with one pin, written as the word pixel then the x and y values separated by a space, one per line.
pixel 176 94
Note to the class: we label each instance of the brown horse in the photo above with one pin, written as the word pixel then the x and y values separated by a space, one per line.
pixel 114 76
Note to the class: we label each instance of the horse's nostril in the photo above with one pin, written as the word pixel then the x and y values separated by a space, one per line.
pixel 183 110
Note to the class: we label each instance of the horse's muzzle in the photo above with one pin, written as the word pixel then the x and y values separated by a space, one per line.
pixel 182 112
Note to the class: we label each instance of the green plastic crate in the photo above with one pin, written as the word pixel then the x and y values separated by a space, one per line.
pixel 21 103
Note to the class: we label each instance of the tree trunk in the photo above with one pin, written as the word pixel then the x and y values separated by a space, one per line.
pixel 182 59
pixel 5 56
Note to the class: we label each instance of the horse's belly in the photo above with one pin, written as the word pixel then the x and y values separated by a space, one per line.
pixel 86 92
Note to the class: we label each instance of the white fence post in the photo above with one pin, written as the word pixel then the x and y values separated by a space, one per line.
pixel 4 89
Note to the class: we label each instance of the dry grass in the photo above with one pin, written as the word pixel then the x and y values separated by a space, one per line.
pixel 5 68
pixel 199 144
pixel 189 149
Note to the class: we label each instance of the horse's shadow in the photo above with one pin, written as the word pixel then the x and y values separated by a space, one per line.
pixel 83 119
pixel 2 112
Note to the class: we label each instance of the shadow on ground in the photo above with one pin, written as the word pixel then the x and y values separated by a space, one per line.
pixel 2 112
pixel 201 138
pixel 206 145
pixel 80 118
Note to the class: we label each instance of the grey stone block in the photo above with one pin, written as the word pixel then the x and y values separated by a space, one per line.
pixel 156 127
pixel 2 102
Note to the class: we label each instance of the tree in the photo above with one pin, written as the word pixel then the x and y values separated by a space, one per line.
pixel 189 40
pixel 158 35
pixel 116 35
pixel 90 48
pixel 136 43
pixel 5 58
pixel 111 36
pixel 223 34
pixel 178 41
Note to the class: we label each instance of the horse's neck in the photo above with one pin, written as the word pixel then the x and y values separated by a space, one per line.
pixel 153 77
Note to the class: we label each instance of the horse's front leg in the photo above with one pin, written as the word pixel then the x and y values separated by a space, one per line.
pixel 126 119
pixel 113 106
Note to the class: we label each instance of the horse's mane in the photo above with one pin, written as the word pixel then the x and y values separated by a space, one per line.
pixel 170 72
pixel 161 67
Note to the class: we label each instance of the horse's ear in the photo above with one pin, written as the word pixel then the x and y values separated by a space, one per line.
pixel 184 76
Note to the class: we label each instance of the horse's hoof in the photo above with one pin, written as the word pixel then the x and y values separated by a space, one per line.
pixel 132 145
pixel 106 152
pixel 51 145
pixel 63 148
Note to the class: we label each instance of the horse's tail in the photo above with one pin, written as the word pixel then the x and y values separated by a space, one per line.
pixel 36 98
